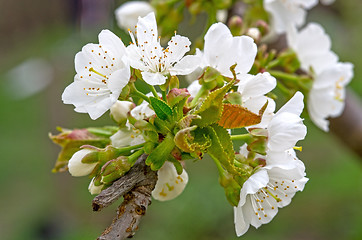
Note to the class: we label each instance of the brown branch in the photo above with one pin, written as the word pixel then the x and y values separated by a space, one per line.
pixel 348 127
pixel 136 188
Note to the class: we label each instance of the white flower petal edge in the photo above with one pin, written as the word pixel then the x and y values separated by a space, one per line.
pixel 286 128
pixel 313 47
pixel 287 12
pixel 155 62
pixel 127 14
pixel 222 50
pixel 326 98
pixel 169 184
pixel 101 76
pixel 93 189
pixel 268 189
pixel 76 167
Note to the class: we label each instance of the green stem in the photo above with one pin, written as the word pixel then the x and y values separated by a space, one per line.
pixel 218 165
pixel 198 95
pixel 140 95
pixel 283 89
pixel 130 148
pixel 133 158
pixel 154 92
pixel 272 64
pixel 285 76
pixel 164 97
pixel 242 137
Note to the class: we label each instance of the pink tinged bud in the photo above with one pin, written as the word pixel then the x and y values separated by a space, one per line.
pixel 120 110
pixel 76 167
pixel 93 189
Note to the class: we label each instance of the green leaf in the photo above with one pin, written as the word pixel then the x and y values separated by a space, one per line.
pixel 162 110
pixel 212 108
pixel 222 148
pixel 159 155
pixel 192 140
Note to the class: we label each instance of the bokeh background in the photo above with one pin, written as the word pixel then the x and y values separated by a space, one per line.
pixel 39 39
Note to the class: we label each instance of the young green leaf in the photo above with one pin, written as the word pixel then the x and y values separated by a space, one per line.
pixel 162 110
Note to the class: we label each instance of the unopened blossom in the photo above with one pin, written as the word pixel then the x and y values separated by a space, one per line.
pixel 93 189
pixel 284 13
pixel 253 89
pixel 169 184
pixel 101 76
pixel 154 61
pixel 268 189
pixel 326 98
pixel 222 50
pixel 127 14
pixel 313 47
pixel 75 165
pixel 120 110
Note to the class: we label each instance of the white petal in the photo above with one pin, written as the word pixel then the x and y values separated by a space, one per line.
pixel 285 130
pixel 142 111
pixel 295 105
pixel 187 65
pixel 169 184
pixel 255 86
pixel 147 29
pixel 253 184
pixel 154 78
pixel 76 167
pixel 194 88
pixel 126 137
pixel 94 189
pixel 178 46
pixel 127 14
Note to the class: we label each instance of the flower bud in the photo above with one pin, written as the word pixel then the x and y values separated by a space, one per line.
pixel 75 165
pixel 169 184
pixel 114 169
pixel 93 189
pixel 254 33
pixel 120 109
pixel 127 14
pixel 235 24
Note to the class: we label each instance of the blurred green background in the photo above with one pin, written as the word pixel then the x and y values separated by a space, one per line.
pixel 36 204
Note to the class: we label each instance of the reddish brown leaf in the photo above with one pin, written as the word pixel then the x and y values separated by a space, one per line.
pixel 235 116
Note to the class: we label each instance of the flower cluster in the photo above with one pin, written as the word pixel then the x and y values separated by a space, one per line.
pixel 232 89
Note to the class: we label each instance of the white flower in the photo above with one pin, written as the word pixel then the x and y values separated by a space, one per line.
pixel 313 47
pixel 127 14
pixel 287 12
pixel 270 188
pixel 127 136
pixel 75 165
pixel 154 62
pixel 169 184
pixel 222 50
pixel 252 89
pixel 101 76
pixel 326 98
pixel 93 189
pixel 120 109
pixel 286 127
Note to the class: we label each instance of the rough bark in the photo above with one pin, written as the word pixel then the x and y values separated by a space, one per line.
pixel 136 188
